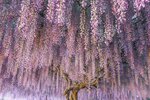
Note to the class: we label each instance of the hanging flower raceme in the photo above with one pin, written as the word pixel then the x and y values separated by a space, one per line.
pixel 94 19
pixel 61 12
pixel 68 12
pixel 109 31
pixel 82 21
pixel 83 17
pixel 58 16
pixel 57 11
pixel 26 27
pixel 119 9
pixel 38 4
pixel 51 10
pixel 27 21
pixel 148 21
pixel 140 4
pixel 84 3
pixel 102 6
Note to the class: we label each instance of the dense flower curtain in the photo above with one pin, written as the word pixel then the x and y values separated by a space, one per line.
pixel 50 48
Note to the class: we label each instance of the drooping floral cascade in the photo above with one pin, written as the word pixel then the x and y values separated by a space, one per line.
pixel 40 40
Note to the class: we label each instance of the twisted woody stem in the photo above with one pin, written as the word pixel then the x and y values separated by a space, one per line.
pixel 73 88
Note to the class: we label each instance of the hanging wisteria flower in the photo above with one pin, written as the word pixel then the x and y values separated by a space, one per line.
pixel 94 19
pixel 51 11
pixel 140 4
pixel 84 3
pixel 119 9
pixel 61 12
